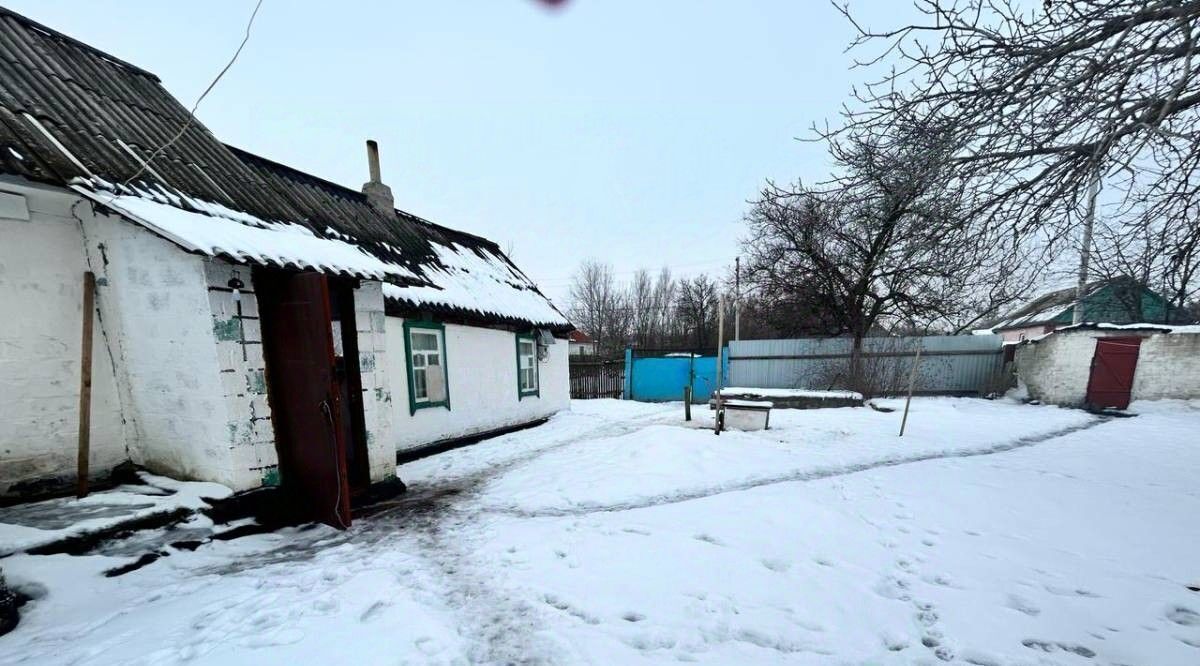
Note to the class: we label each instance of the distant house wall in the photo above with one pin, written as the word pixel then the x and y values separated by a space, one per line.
pixel 42 264
pixel 1056 369
pixel 481 366
pixel 583 348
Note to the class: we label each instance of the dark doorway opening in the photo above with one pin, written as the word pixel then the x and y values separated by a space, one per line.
pixel 1113 366
pixel 316 400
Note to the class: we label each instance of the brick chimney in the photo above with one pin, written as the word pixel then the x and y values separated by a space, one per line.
pixel 378 194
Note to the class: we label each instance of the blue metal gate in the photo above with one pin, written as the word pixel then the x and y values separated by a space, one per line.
pixel 663 376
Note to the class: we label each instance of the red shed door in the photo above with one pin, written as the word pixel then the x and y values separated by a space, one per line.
pixel 304 394
pixel 1113 366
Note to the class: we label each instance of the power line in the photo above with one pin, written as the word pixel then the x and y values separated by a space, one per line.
pixel 192 114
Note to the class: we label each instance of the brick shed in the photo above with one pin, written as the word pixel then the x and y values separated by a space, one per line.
pixel 1107 365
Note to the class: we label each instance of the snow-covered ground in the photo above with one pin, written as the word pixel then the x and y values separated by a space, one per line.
pixel 992 533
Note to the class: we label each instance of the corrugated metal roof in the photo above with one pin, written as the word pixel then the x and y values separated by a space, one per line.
pixel 72 114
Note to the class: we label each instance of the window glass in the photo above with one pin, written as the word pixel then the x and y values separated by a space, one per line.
pixel 428 375
pixel 527 378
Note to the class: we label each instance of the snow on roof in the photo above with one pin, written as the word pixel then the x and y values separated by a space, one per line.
pixel 478 280
pixel 1169 329
pixel 214 230
pixel 77 117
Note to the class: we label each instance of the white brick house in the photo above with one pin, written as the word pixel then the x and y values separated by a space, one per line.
pixel 225 289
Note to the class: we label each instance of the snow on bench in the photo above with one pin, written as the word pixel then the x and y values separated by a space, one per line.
pixel 793 398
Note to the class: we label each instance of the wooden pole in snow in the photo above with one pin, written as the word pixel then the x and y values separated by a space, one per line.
pixel 85 384
pixel 912 382
pixel 687 403
pixel 737 298
pixel 720 337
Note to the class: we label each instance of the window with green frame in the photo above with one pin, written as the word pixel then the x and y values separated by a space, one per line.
pixel 527 366
pixel 425 350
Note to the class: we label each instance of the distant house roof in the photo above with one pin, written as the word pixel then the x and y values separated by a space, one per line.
pixel 74 116
pixel 1101 303
pixel 579 336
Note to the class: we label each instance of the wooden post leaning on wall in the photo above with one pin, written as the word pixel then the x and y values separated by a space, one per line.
pixel 85 383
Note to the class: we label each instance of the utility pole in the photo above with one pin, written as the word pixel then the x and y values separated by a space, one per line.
pixel 1085 253
pixel 737 298
pixel 719 415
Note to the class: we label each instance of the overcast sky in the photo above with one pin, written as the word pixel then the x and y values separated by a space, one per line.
pixel 629 131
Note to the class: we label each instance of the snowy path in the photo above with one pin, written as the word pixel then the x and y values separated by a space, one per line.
pixel 992 534
pixel 804 475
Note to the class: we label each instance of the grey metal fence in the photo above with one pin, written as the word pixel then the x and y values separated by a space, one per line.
pixel 950 364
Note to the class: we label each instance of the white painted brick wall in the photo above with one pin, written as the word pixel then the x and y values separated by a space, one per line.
pixel 160 310
pixel 41 286
pixel 377 385
pixel 236 327
pixel 1168 367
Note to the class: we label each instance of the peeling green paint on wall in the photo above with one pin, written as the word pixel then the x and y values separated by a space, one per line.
pixel 256 382
pixel 227 330
pixel 366 362
pixel 382 396
pixel 270 476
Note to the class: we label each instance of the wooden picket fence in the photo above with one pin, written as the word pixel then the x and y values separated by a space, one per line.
pixel 597 378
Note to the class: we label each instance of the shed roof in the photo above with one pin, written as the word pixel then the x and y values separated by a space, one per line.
pixel 75 116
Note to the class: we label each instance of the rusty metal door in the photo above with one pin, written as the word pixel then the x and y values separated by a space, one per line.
pixel 1113 367
pixel 304 395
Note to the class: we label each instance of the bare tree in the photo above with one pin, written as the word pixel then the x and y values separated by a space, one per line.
pixel 696 308
pixel 1044 98
pixel 597 305
pixel 665 329
pixel 640 301
pixel 885 242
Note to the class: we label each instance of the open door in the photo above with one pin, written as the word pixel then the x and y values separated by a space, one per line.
pixel 348 377
pixel 304 394
pixel 1113 367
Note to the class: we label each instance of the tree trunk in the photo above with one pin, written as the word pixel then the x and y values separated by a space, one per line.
pixel 856 362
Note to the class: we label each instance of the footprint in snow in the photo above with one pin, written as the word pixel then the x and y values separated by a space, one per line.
pixel 1054 646
pixel 631 616
pixel 778 566
pixel 1023 605
pixel 372 611
pixel 708 538
pixel 893 588
pixel 939 579
pixel 894 642
pixel 1183 616
pixel 1071 591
